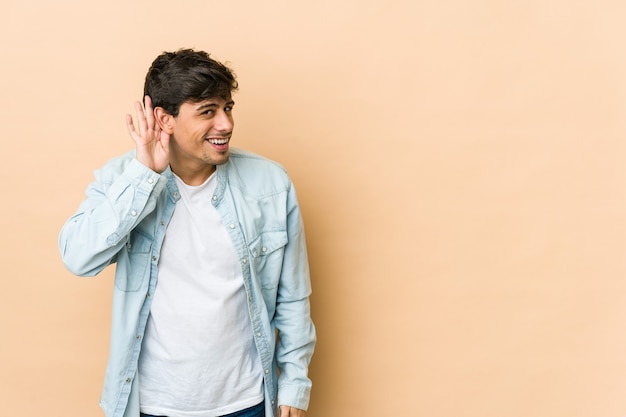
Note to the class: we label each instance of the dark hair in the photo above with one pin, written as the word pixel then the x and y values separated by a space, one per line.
pixel 187 76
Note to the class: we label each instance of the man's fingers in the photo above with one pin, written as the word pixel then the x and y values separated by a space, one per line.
pixel 150 113
pixel 141 118
pixel 130 125
pixel 286 411
pixel 147 130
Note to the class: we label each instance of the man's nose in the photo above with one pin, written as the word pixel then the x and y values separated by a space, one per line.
pixel 224 121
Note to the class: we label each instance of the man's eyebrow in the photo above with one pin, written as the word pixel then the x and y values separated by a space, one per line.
pixel 213 104
pixel 206 105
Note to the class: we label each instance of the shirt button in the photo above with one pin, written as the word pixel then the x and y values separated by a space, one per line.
pixel 175 194
pixel 162 223
pixel 267 371
pixel 232 226
pixel 263 249
pixel 138 337
pixel 150 181
pixel 133 213
pixel 244 261
pixel 214 198
pixel 258 334
pixel 154 258
pixel 128 380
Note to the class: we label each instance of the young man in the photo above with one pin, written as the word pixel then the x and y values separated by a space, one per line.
pixel 211 297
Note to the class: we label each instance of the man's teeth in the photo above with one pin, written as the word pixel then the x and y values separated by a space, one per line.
pixel 218 141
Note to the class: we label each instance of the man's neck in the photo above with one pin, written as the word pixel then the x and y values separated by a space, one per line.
pixel 191 176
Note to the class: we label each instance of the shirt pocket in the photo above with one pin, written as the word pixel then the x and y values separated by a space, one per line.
pixel 267 252
pixel 134 269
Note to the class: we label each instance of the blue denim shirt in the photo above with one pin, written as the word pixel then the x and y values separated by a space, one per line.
pixel 123 220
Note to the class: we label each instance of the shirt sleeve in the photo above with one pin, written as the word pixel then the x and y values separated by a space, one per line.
pixel 123 193
pixel 296 332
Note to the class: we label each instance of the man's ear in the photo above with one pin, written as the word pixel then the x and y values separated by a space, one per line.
pixel 164 119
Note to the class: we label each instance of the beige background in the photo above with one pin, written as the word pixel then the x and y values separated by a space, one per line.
pixel 460 166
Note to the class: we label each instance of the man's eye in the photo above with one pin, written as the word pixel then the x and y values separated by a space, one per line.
pixel 228 108
pixel 208 112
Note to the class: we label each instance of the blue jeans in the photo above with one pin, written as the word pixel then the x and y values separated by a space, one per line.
pixel 254 411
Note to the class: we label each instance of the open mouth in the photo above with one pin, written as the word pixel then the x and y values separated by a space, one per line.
pixel 218 141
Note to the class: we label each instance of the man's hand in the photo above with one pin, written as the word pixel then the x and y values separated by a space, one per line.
pixel 286 411
pixel 152 143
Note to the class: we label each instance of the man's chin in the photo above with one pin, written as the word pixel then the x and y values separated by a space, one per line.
pixel 222 159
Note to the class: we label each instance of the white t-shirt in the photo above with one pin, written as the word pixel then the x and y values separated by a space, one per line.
pixel 198 357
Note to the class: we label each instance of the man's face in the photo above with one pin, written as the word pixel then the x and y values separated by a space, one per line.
pixel 201 133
